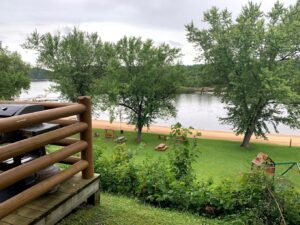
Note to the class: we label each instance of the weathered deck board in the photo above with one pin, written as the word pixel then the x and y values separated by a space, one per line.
pixel 50 208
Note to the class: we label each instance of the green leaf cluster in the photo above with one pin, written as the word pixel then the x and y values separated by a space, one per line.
pixel 13 74
pixel 75 60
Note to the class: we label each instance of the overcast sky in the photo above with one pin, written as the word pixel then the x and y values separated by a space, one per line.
pixel 160 20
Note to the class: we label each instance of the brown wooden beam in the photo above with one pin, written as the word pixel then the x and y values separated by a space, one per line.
pixel 27 120
pixel 86 135
pixel 37 190
pixel 63 122
pixel 32 143
pixel 18 173
pixel 70 160
pixel 65 141
pixel 48 105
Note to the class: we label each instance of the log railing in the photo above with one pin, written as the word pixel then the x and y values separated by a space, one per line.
pixel 53 114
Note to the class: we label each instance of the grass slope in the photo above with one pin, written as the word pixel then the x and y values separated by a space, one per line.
pixel 121 210
pixel 217 159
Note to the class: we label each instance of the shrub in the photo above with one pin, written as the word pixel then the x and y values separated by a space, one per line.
pixel 154 183
pixel 118 174
pixel 250 199
pixel 184 153
pixel 290 202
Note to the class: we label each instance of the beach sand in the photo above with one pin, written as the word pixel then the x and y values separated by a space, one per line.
pixel 206 134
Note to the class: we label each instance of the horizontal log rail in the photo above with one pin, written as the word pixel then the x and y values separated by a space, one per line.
pixel 54 113
pixel 65 142
pixel 18 173
pixel 27 145
pixel 63 122
pixel 37 190
pixel 47 105
pixel 70 160
pixel 30 119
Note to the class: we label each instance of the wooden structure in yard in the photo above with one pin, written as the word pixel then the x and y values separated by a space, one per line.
pixel 109 133
pixel 161 147
pixel 77 183
pixel 263 161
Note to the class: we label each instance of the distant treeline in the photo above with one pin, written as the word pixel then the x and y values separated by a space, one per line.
pixel 37 74
pixel 193 76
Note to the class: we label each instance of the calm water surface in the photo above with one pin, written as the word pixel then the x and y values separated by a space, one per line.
pixel 199 111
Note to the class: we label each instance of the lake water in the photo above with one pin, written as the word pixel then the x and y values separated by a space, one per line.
pixel 198 110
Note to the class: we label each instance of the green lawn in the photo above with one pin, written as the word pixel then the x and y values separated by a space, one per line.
pixel 217 159
pixel 119 210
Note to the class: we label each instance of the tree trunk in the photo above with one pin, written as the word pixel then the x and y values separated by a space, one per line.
pixel 251 127
pixel 139 134
pixel 247 137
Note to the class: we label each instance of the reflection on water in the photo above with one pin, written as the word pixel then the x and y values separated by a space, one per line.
pixel 199 111
pixel 39 90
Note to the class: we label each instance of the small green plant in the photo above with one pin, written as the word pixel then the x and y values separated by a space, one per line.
pixel 184 154
pixel 180 133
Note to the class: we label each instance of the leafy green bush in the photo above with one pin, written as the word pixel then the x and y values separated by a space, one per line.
pixel 184 153
pixel 251 198
pixel 118 174
pixel 154 183
pixel 290 202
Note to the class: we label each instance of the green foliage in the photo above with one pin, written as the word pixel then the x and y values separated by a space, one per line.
pixel 37 74
pixel 184 152
pixel 75 59
pixel 142 79
pixel 195 76
pixel 118 174
pixel 290 203
pixel 254 63
pixel 154 184
pixel 13 74
pixel 251 198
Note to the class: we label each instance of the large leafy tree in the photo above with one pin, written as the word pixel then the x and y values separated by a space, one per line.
pixel 254 60
pixel 13 74
pixel 142 80
pixel 75 60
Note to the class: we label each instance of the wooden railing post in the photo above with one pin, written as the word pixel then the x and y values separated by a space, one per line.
pixel 86 135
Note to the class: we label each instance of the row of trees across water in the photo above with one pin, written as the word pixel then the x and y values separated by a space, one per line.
pixel 253 62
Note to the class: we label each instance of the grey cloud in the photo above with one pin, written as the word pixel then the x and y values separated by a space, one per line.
pixel 175 44
pixel 161 20
pixel 163 14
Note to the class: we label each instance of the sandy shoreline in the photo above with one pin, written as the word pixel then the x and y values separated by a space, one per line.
pixel 206 134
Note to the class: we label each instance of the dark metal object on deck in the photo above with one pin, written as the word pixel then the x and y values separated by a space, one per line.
pixel 10 110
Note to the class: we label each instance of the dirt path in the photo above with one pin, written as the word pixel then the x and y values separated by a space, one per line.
pixel 217 135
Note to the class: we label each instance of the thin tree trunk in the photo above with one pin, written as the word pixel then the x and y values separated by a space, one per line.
pixel 251 128
pixel 139 134
pixel 247 137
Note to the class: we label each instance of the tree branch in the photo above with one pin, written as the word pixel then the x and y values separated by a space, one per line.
pixel 127 106
pixel 289 55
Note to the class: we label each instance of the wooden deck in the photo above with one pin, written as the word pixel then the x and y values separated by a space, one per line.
pixel 51 208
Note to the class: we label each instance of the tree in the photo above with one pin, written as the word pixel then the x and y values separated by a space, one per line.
pixel 143 81
pixel 13 74
pixel 255 64
pixel 195 76
pixel 38 74
pixel 75 60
